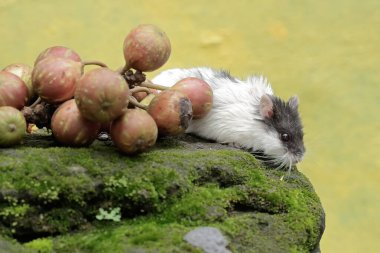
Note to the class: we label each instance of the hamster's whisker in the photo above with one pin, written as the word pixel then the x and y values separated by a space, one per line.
pixel 264 156
pixel 285 160
pixel 290 166
pixel 281 161
pixel 279 167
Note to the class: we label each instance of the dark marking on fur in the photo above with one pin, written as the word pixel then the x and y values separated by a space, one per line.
pixel 225 74
pixel 199 74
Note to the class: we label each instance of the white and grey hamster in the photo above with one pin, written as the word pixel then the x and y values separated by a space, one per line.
pixel 247 114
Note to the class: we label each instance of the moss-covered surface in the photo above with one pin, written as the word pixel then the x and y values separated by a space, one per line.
pixel 50 199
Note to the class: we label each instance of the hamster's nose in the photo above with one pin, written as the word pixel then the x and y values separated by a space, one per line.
pixel 299 155
pixel 301 151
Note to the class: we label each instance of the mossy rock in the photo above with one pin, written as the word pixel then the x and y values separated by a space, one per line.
pixel 95 199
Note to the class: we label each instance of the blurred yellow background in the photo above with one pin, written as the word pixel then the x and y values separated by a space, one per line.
pixel 327 52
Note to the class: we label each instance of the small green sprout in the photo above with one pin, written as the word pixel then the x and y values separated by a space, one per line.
pixel 113 214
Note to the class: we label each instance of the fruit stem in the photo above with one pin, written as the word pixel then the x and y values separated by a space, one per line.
pixel 134 102
pixel 123 69
pixel 139 89
pixel 149 84
pixel 38 100
pixel 98 63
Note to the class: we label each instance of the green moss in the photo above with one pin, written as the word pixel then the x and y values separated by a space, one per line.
pixel 209 205
pixel 141 234
pixel 17 211
pixel 162 194
pixel 10 246
pixel 43 245
pixel 202 204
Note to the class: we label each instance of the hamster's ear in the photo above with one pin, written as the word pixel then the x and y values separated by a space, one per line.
pixel 266 107
pixel 293 102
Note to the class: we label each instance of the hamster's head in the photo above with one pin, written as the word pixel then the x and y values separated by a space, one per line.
pixel 283 145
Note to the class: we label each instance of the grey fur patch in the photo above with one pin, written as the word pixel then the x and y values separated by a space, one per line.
pixel 225 74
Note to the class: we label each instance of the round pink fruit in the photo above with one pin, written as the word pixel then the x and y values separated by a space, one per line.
pixel 70 128
pixel 172 112
pixel 54 79
pixel 146 48
pixel 13 91
pixel 23 71
pixel 134 132
pixel 102 95
pixel 58 51
pixel 199 93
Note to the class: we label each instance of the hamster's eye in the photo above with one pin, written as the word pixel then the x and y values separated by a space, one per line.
pixel 285 137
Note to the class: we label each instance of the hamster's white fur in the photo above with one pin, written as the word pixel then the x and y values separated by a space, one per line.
pixel 235 116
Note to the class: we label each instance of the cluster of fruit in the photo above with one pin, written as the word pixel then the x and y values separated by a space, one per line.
pixel 76 105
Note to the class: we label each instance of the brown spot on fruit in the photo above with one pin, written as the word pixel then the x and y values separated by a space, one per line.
pixel 186 112
pixel 199 92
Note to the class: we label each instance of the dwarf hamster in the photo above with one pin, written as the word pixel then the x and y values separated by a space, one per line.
pixel 246 113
